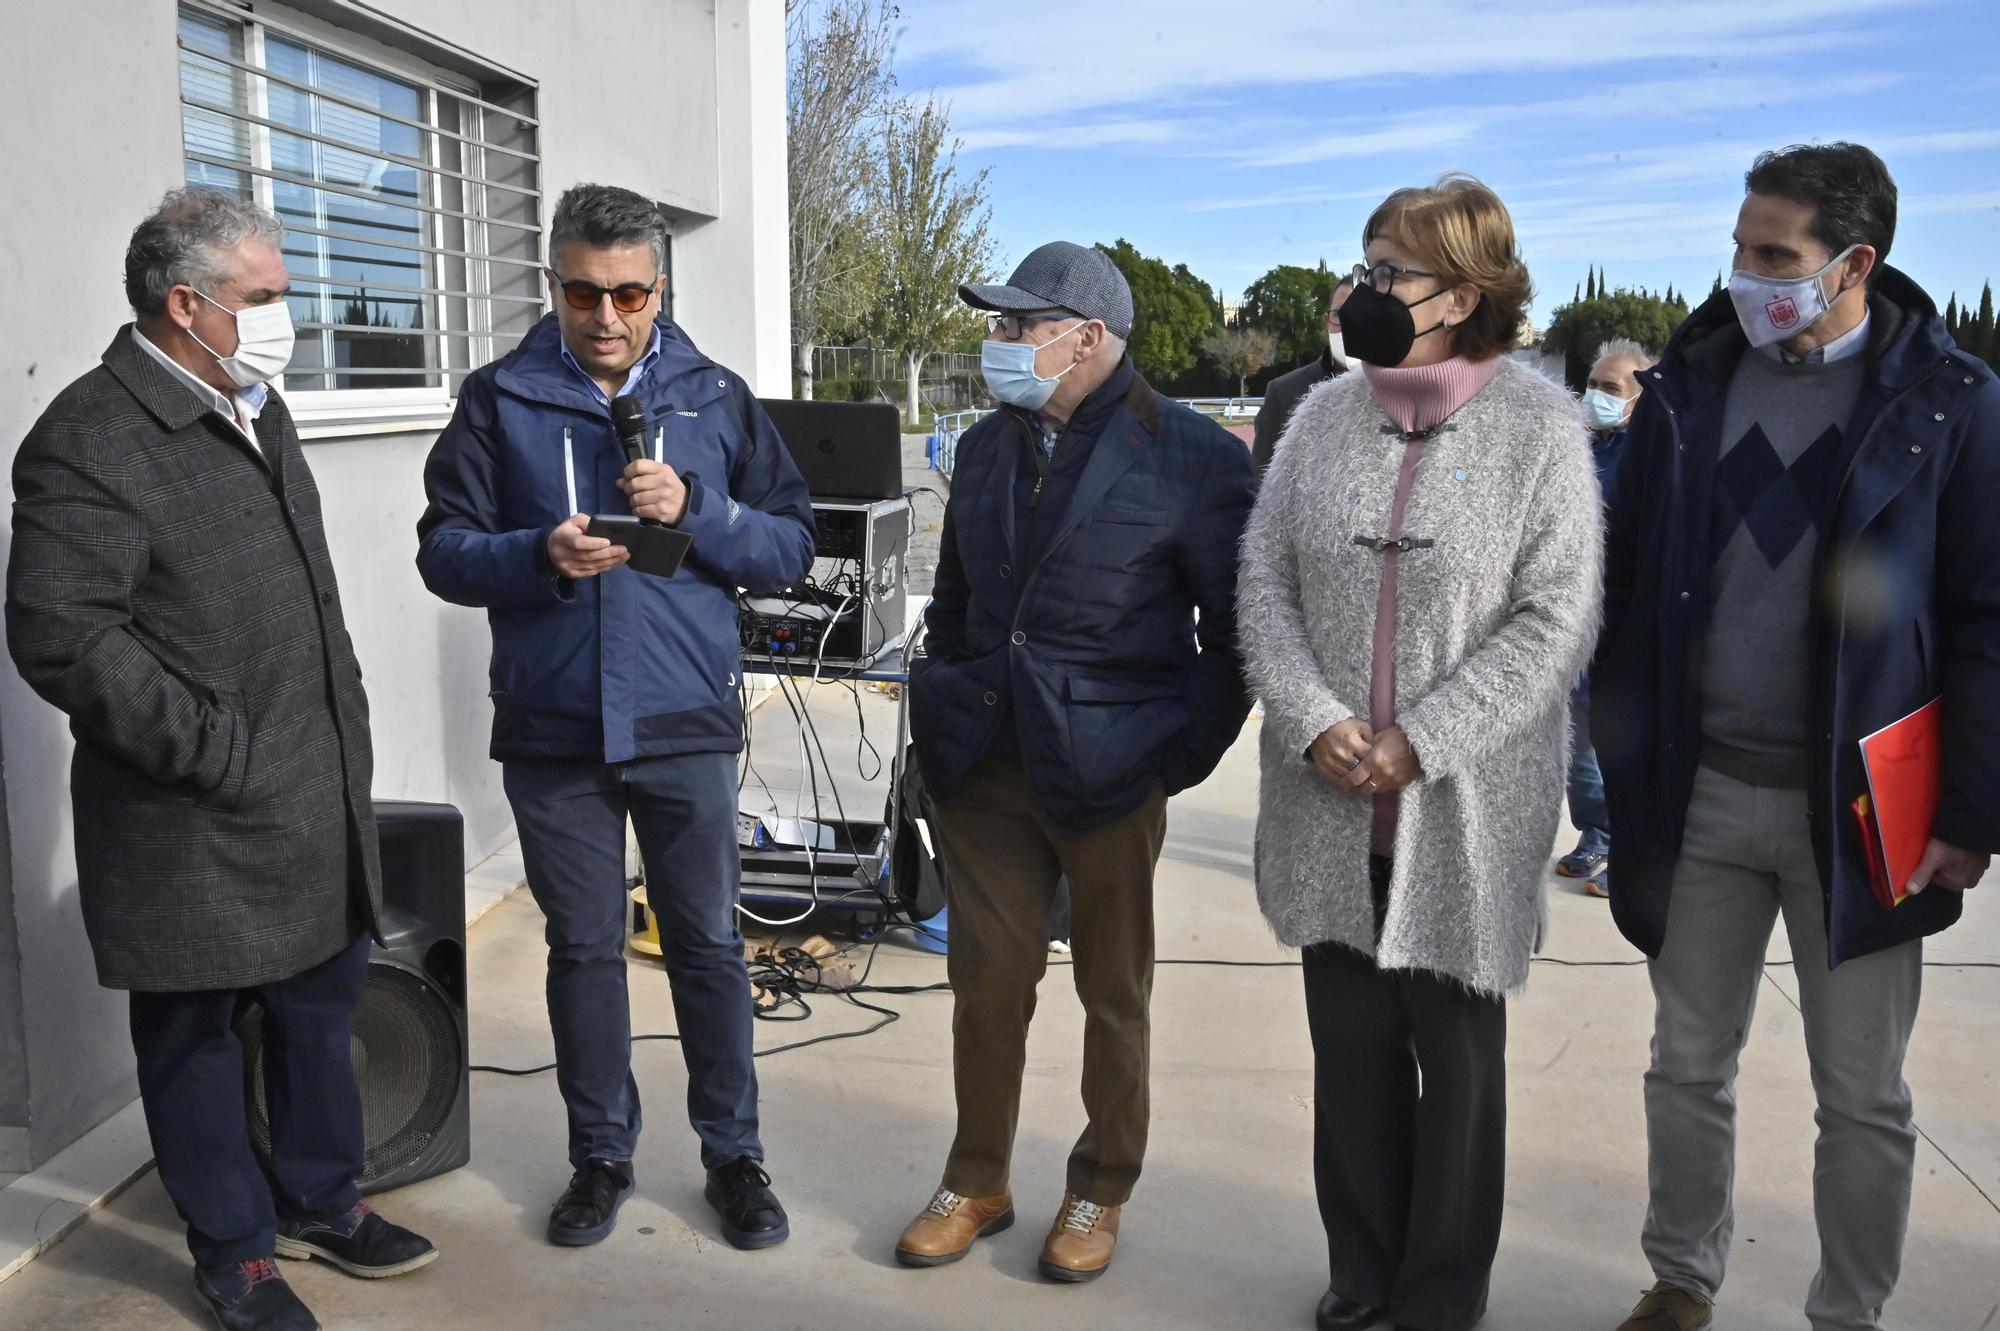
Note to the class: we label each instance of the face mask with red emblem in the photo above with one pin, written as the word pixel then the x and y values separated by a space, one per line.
pixel 1772 310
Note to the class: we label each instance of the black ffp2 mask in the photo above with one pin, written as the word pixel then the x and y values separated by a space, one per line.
pixel 1379 329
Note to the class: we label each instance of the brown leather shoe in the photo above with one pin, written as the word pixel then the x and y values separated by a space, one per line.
pixel 944 1230
pixel 1081 1242
pixel 1669 1308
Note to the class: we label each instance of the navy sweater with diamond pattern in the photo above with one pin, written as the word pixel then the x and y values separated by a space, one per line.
pixel 1774 491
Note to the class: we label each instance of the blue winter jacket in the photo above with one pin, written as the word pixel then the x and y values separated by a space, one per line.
pixel 623 665
pixel 1088 633
pixel 1910 567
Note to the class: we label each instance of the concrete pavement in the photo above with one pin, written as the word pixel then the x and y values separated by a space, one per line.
pixel 1223 1231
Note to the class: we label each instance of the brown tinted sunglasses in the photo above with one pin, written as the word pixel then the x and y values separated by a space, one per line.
pixel 627 299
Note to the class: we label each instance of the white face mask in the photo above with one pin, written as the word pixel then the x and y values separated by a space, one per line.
pixel 264 341
pixel 1774 309
pixel 1333 344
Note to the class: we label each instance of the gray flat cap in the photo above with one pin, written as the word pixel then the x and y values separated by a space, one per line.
pixel 1060 275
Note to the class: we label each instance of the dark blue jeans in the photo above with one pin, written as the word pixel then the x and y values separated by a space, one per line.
pixel 1587 809
pixel 571 816
pixel 191 1083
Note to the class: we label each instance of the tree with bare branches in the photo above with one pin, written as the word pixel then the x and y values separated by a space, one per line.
pixel 1241 351
pixel 838 93
pixel 934 221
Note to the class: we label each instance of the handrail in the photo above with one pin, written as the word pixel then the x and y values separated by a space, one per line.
pixel 941 448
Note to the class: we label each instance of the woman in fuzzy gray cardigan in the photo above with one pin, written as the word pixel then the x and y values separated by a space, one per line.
pixel 1419 591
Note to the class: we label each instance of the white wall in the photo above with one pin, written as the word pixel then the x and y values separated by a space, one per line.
pixel 701 129
pixel 63 230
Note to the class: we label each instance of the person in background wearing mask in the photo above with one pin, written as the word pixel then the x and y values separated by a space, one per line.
pixel 1082 667
pixel 1802 551
pixel 1419 593
pixel 1609 396
pixel 1282 394
pixel 170 590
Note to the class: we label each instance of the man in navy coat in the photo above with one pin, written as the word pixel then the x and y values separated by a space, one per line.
pixel 1802 551
pixel 1082 667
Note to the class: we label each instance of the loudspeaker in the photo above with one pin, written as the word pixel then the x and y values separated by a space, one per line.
pixel 409 1039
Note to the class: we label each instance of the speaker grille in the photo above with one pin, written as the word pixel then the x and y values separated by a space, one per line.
pixel 408 1058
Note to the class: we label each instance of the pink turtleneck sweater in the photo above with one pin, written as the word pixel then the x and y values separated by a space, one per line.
pixel 1414 400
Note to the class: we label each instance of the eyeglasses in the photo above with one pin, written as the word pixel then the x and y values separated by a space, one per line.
pixel 1013 326
pixel 629 298
pixel 1382 276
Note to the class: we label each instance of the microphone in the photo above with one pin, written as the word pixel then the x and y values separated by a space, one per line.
pixel 628 414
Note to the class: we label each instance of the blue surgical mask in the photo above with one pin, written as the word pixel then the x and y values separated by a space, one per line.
pixel 1009 368
pixel 1604 411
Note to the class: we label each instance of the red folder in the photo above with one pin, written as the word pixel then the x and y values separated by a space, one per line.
pixel 1904 764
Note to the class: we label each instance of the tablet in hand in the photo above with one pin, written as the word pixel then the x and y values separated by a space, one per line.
pixel 655 549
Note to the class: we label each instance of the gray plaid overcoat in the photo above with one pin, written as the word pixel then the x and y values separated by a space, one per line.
pixel 170 591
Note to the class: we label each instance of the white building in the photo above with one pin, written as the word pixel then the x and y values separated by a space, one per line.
pixel 415 150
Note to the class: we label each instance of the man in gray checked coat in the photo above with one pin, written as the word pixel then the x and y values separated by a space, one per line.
pixel 170 590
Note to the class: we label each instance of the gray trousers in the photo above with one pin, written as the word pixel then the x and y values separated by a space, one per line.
pixel 1746 857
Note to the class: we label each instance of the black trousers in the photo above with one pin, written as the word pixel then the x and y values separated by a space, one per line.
pixel 1410 1133
pixel 191 1082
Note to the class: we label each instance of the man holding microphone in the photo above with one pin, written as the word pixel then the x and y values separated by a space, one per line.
pixel 615 692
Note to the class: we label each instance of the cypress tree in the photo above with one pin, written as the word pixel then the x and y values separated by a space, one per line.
pixel 1951 315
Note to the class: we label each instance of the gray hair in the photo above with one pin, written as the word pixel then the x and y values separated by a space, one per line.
pixel 1624 348
pixel 604 216
pixel 187 242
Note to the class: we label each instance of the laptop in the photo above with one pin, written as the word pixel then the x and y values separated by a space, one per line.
pixel 844 450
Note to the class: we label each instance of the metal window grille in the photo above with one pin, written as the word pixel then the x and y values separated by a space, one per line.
pixel 412 207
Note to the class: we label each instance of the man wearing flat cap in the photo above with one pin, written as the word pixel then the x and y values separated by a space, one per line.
pixel 1081 667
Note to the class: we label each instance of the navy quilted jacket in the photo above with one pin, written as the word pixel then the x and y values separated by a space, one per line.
pixel 1112 643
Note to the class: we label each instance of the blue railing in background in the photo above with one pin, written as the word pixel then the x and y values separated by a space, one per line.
pixel 942 447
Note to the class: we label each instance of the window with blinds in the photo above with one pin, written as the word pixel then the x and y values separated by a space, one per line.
pixel 411 204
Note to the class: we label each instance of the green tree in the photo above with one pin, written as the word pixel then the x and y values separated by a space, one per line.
pixel 1716 290
pixel 934 222
pixel 1951 315
pixel 1985 341
pixel 1172 310
pixel 1577 330
pixel 1289 302
pixel 1240 351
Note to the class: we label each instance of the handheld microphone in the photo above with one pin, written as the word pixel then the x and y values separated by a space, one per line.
pixel 628 414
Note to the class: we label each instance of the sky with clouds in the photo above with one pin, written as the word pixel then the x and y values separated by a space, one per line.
pixel 1232 136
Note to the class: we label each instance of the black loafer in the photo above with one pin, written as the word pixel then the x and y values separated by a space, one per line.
pixel 588 1210
pixel 252 1296
pixel 740 1192
pixel 360 1243
pixel 1337 1312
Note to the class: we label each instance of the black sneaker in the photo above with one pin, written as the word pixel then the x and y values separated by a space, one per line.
pixel 741 1194
pixel 359 1242
pixel 588 1211
pixel 252 1296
